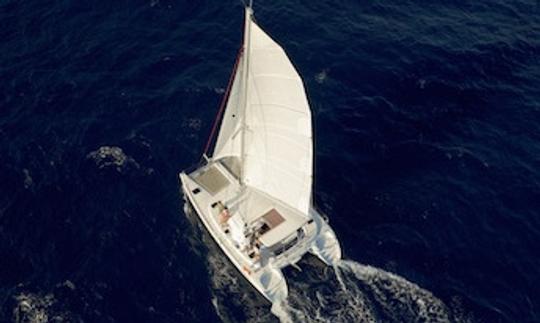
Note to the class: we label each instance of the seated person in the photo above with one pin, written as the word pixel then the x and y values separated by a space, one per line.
pixel 224 214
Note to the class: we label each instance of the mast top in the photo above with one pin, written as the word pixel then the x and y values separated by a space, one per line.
pixel 249 8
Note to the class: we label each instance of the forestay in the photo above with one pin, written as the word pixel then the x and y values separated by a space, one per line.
pixel 278 149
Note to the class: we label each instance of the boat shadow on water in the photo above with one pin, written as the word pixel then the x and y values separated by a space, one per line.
pixel 348 292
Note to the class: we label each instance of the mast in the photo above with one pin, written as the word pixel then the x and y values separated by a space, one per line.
pixel 267 131
pixel 245 70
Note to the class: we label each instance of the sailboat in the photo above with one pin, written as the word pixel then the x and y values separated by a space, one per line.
pixel 254 193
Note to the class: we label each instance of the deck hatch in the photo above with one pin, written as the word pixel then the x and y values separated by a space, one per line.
pixel 212 180
pixel 273 218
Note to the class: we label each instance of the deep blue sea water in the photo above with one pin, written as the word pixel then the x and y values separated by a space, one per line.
pixel 427 120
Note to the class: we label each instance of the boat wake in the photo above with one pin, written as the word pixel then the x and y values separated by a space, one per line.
pixel 348 292
pixel 353 292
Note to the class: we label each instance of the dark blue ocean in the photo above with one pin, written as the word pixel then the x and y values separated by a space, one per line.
pixel 427 121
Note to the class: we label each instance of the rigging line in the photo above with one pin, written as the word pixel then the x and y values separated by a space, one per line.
pixel 223 101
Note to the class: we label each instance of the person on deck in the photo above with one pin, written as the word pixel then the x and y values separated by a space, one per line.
pixel 224 214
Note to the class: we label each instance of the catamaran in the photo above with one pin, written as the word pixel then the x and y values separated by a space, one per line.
pixel 254 193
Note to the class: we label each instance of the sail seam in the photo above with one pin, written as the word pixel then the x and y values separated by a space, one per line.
pixel 273 75
pixel 282 106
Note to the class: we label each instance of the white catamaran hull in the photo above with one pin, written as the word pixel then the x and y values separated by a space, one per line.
pixel 268 279
pixel 254 195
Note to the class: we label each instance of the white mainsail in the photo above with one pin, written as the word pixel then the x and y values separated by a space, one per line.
pixel 277 137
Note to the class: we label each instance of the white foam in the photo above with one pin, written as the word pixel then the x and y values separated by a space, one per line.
pixel 112 156
pixel 360 293
pixel 283 312
pixel 33 308
pixel 398 298
pixel 321 76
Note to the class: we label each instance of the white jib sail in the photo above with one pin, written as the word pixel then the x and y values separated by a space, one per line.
pixel 278 147
pixel 229 137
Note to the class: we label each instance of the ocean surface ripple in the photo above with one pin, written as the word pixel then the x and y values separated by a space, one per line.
pixel 427 120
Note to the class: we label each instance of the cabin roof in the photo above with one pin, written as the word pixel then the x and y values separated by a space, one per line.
pixel 283 229
pixel 282 220
pixel 273 218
